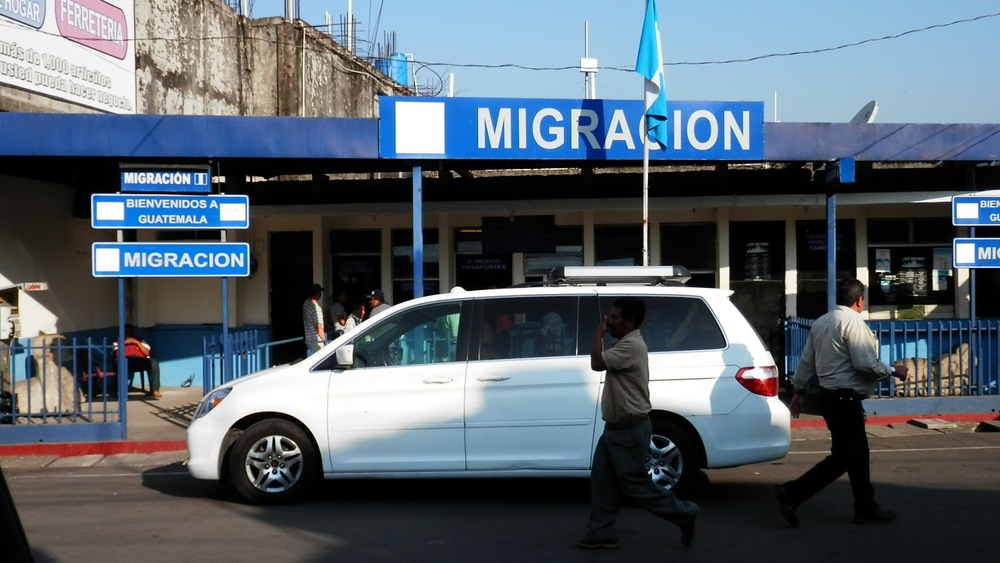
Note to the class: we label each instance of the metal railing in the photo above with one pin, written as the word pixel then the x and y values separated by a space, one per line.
pixel 245 356
pixel 944 358
pixel 50 384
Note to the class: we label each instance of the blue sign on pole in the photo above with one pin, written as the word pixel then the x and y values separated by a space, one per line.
pixel 976 252
pixel 975 211
pixel 170 260
pixel 139 211
pixel 552 129
pixel 186 180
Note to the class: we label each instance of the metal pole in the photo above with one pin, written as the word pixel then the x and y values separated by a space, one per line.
pixel 972 284
pixel 831 251
pixel 418 232
pixel 645 193
pixel 122 360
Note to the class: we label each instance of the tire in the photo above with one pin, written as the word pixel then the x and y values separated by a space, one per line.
pixel 672 463
pixel 273 462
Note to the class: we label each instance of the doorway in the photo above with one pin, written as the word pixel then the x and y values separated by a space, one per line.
pixel 290 276
pixel 757 278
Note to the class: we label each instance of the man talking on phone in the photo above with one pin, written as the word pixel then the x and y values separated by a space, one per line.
pixel 619 471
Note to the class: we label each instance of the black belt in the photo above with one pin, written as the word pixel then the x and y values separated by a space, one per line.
pixel 843 394
pixel 627 423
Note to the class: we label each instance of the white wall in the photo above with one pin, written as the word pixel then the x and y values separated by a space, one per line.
pixel 40 241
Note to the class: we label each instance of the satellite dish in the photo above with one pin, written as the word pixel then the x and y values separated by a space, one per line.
pixel 867 113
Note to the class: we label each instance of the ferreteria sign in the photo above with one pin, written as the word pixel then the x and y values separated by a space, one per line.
pixel 541 129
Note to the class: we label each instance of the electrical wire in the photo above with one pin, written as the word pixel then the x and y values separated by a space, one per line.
pixel 616 68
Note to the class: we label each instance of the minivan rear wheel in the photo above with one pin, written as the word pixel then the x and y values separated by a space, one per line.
pixel 671 461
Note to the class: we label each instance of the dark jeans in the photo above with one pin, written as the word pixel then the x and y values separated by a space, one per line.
pixel 148 365
pixel 619 473
pixel 845 418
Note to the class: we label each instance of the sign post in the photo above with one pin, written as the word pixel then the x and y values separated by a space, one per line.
pixel 974 211
pixel 187 206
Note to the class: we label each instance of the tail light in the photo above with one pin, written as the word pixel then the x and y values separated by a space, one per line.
pixel 760 380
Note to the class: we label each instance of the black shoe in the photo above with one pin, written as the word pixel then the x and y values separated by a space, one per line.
pixel 786 506
pixel 878 517
pixel 591 543
pixel 687 531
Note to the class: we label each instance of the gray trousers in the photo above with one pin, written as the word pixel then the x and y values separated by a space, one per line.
pixel 619 473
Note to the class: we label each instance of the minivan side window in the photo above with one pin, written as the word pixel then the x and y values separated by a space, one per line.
pixel 528 327
pixel 424 335
pixel 675 324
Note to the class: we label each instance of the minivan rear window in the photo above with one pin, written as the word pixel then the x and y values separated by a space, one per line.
pixel 675 323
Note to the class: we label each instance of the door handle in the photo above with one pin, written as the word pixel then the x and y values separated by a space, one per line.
pixel 493 377
pixel 439 380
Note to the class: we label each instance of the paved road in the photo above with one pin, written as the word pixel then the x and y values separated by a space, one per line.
pixel 946 488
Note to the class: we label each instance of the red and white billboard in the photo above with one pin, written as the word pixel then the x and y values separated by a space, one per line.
pixel 80 51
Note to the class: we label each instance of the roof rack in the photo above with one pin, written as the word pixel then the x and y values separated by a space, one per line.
pixel 626 275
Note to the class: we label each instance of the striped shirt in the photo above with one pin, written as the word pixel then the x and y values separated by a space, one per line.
pixel 312 315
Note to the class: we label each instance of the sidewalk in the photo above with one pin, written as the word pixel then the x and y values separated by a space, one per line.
pixel 157 431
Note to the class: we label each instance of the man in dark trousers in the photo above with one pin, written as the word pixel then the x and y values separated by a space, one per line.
pixel 619 472
pixel 843 353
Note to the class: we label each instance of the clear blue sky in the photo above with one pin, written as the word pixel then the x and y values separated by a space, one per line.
pixel 946 74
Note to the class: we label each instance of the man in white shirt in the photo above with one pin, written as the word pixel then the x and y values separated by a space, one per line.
pixel 842 352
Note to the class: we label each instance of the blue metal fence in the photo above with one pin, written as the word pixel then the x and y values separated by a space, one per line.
pixel 245 356
pixel 944 358
pixel 58 390
pixel 54 389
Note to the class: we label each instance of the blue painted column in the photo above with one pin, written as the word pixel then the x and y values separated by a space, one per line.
pixel 831 251
pixel 418 232
pixel 122 360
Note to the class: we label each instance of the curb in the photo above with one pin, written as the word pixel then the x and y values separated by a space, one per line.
pixel 92 448
pixel 150 447
pixel 818 421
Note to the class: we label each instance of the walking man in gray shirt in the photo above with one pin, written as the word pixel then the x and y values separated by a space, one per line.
pixel 619 470
pixel 843 353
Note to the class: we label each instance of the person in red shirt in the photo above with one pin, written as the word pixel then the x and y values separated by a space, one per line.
pixel 139 358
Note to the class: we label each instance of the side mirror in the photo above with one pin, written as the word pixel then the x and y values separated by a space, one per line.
pixel 345 356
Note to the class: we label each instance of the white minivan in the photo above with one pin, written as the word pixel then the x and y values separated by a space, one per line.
pixel 497 383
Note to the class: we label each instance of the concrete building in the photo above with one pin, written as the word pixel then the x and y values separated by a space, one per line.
pixel 757 226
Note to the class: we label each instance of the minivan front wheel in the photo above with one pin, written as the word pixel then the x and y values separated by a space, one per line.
pixel 671 460
pixel 273 462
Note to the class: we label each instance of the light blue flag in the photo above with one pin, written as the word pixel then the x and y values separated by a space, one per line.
pixel 649 64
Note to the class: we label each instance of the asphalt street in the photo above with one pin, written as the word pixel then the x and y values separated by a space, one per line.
pixel 945 485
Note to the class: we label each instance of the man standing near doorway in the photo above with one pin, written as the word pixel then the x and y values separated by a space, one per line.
pixel 619 473
pixel 312 320
pixel 376 303
pixel 843 353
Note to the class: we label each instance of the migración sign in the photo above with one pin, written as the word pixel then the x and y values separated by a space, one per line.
pixel 170 260
pixel 976 252
pixel 186 180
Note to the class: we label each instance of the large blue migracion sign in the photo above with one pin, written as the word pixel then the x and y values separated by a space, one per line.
pixel 545 129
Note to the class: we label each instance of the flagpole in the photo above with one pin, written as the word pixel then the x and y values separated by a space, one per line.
pixel 645 194
pixel 649 63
